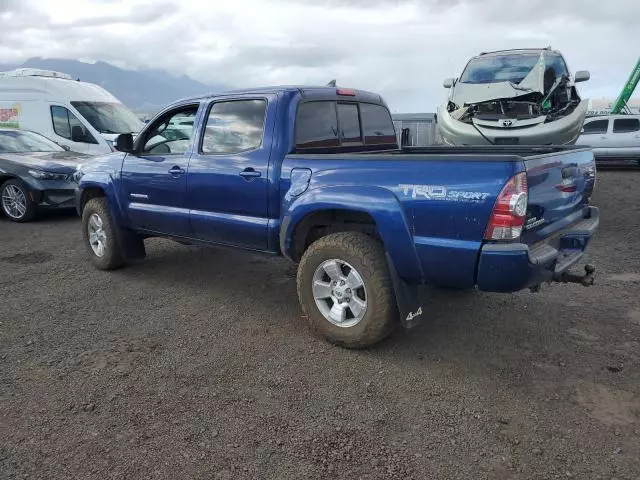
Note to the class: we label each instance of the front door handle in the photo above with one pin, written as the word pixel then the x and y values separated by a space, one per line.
pixel 176 170
pixel 250 173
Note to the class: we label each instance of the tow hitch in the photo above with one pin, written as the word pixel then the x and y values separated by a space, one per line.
pixel 585 280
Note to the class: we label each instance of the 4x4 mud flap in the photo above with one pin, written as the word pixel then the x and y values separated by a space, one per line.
pixel 408 298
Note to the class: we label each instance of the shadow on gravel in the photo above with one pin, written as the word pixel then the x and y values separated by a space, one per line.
pixel 467 327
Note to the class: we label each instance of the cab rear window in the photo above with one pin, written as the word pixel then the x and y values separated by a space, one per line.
pixel 331 124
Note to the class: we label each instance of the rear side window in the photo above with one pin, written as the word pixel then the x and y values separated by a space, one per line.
pixel 626 125
pixel 325 124
pixel 597 126
pixel 317 125
pixel 234 126
pixel 377 124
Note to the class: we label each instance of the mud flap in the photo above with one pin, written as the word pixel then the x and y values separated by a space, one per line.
pixel 131 244
pixel 408 299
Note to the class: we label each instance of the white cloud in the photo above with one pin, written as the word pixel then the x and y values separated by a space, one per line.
pixel 402 49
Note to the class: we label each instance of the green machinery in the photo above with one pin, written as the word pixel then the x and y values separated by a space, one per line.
pixel 620 105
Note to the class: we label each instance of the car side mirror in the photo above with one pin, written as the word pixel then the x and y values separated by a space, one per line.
pixel 581 76
pixel 78 134
pixel 124 143
pixel 448 82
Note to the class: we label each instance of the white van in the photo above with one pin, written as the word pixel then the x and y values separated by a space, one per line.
pixel 80 116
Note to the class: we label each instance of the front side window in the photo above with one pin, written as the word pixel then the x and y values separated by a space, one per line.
pixel 234 126
pixel 172 133
pixel 67 125
pixel 109 117
pixel 19 141
pixel 626 125
pixel 596 126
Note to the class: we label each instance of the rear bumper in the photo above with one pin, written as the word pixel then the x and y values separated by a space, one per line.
pixel 515 266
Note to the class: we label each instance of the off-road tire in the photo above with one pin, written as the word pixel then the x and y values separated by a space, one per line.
pixel 112 257
pixel 31 209
pixel 367 256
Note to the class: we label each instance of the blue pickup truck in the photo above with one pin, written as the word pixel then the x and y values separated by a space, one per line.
pixel 316 174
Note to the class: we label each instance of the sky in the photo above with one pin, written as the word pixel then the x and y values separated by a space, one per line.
pixel 402 49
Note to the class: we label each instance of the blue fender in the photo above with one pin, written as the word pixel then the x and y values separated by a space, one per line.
pixel 381 204
pixel 104 175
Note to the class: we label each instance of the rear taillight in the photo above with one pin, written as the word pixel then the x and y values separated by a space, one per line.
pixel 346 92
pixel 509 211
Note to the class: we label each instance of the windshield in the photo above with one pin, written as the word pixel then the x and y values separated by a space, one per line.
pixel 108 117
pixel 19 141
pixel 509 67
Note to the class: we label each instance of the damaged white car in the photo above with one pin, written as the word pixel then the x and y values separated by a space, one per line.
pixel 513 97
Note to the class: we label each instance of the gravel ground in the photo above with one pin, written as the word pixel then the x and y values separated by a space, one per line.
pixel 197 363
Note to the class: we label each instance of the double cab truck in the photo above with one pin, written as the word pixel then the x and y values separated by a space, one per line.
pixel 316 174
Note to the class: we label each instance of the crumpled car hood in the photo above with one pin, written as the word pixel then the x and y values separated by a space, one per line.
pixel 468 93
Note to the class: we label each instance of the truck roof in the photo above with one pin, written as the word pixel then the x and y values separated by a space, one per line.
pixel 308 91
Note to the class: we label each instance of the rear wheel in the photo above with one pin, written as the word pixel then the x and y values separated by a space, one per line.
pixel 16 203
pixel 345 288
pixel 99 233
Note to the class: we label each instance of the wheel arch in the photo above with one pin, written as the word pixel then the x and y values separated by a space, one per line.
pixel 371 210
pixel 87 194
pixel 5 177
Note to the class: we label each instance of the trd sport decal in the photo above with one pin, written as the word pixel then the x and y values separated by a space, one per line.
pixel 439 192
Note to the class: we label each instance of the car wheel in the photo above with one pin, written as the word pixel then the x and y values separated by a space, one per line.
pixel 16 203
pixel 99 234
pixel 346 291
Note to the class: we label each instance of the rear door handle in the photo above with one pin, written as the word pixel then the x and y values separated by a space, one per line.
pixel 176 170
pixel 250 173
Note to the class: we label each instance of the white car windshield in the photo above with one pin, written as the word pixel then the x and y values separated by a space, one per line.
pixel 108 117
pixel 509 67
pixel 19 141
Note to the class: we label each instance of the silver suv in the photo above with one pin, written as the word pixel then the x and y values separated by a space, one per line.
pixel 614 138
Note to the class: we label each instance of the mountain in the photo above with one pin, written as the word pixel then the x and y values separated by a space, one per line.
pixel 141 90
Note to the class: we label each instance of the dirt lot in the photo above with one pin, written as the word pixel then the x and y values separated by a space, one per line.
pixel 197 363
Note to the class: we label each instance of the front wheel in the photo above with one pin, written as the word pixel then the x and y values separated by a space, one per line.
pixel 16 203
pixel 345 289
pixel 99 233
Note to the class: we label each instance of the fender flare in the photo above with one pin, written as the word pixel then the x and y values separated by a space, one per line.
pixel 131 244
pixel 381 204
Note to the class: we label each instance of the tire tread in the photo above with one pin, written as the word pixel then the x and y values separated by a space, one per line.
pixel 113 257
pixel 370 252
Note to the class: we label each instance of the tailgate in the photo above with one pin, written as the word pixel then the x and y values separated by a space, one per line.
pixel 560 187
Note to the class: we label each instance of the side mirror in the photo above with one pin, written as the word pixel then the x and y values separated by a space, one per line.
pixel 581 76
pixel 78 134
pixel 448 82
pixel 124 143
